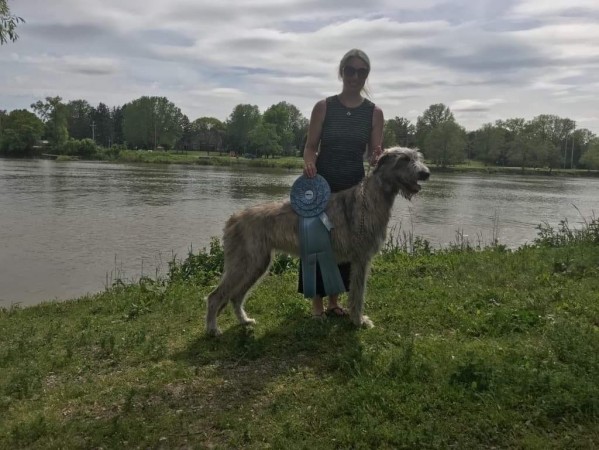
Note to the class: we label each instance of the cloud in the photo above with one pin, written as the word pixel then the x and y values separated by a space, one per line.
pixel 470 105
pixel 537 56
pixel 527 8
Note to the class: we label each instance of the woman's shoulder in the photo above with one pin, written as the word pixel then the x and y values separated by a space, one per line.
pixel 320 109
pixel 376 109
pixel 321 105
pixel 369 103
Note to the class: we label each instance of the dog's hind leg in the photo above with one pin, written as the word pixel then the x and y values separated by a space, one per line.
pixel 233 287
pixel 260 265
pixel 216 302
pixel 357 290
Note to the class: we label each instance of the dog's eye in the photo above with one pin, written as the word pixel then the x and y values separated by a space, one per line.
pixel 401 159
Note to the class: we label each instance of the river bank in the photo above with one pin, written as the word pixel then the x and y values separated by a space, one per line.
pixel 289 162
pixel 473 348
pixel 296 163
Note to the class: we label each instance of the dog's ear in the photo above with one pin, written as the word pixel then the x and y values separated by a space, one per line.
pixel 384 159
pixel 401 158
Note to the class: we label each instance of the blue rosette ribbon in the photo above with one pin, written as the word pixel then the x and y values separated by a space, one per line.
pixel 309 198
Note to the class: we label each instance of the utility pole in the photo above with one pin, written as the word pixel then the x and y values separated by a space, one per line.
pixel 93 125
pixel 572 155
pixel 209 127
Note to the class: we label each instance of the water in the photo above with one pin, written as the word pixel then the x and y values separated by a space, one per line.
pixel 70 228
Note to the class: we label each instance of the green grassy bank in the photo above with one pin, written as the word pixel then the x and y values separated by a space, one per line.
pixel 289 162
pixel 473 348
pixel 205 159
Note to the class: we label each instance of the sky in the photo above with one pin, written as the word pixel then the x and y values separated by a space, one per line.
pixel 486 60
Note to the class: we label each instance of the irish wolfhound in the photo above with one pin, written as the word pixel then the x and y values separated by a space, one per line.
pixel 359 215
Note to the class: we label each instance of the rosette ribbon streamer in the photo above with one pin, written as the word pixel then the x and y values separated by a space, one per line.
pixel 309 198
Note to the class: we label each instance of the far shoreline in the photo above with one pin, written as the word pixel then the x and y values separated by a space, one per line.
pixel 219 159
pixel 295 162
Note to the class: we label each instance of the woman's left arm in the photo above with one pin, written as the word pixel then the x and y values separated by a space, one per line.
pixel 375 147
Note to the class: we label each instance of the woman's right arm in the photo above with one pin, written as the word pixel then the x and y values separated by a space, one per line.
pixel 313 140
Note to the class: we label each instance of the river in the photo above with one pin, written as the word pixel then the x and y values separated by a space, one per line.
pixel 71 228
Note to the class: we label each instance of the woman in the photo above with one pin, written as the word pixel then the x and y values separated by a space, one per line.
pixel 342 128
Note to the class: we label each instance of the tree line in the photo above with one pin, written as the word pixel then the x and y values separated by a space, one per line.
pixel 78 128
pixel 154 122
pixel 150 123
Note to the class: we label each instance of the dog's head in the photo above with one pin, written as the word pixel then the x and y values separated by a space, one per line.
pixel 400 169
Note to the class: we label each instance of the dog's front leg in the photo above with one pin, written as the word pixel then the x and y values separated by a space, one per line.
pixel 357 290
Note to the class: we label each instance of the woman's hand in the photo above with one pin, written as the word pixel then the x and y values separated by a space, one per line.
pixel 309 169
pixel 375 155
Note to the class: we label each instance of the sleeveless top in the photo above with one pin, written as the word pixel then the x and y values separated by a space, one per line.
pixel 345 135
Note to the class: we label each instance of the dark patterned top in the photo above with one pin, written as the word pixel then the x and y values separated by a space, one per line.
pixel 345 135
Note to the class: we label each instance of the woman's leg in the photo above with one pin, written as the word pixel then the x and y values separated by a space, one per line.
pixel 317 306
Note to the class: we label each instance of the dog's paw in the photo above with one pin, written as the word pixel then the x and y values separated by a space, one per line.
pixel 363 322
pixel 366 322
pixel 213 332
pixel 248 322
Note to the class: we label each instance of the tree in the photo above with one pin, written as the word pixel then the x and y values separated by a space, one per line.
pixel 513 126
pixel 3 117
pixel 104 129
pixel 264 141
pixel 184 142
pixel 54 115
pixel 242 120
pixel 290 125
pixel 513 129
pixel 491 146
pixel 590 158
pixel 8 24
pixel 79 119
pixel 21 130
pixel 578 144
pixel 433 116
pixel 149 122
pixel 168 122
pixel 207 133
pixel 439 136
pixel 389 139
pixel 444 144
pixel 116 117
pixel 550 134
pixel 400 132
pixel 528 149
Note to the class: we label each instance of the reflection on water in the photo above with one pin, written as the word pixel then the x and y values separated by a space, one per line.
pixel 65 226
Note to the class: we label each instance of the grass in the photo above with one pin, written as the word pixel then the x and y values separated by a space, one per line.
pixel 203 158
pixel 296 163
pixel 472 349
pixel 291 162
pixel 470 166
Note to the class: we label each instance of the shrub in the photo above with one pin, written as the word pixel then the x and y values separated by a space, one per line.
pixel 206 265
pixel 84 148
pixel 564 235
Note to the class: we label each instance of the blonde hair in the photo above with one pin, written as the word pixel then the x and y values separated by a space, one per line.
pixel 354 53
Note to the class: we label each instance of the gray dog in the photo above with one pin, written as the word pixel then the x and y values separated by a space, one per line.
pixel 360 216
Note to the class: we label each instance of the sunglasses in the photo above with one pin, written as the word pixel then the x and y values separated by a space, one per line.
pixel 349 71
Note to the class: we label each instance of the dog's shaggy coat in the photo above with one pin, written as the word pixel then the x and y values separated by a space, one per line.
pixel 360 216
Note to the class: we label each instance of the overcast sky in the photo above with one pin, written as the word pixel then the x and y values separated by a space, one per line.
pixel 485 59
